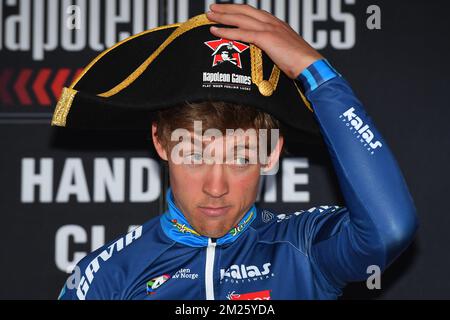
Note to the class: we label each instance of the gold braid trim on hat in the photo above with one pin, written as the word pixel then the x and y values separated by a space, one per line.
pixel 305 101
pixel 266 87
pixel 68 94
pixel 91 64
pixel 63 107
pixel 195 22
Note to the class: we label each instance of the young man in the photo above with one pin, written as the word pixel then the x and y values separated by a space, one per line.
pixel 213 243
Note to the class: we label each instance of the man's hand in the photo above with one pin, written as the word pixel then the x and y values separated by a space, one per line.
pixel 276 38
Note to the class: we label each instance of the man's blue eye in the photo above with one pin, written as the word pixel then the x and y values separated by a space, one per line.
pixel 241 161
pixel 195 157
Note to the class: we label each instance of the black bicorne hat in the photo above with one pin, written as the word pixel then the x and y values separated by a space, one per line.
pixel 174 64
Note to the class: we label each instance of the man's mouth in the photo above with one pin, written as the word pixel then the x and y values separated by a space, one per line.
pixel 214 211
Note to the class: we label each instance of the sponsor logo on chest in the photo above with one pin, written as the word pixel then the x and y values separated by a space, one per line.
pixel 242 273
pixel 259 295
pixel 185 273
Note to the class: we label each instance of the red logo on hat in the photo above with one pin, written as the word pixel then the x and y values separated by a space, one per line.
pixel 227 50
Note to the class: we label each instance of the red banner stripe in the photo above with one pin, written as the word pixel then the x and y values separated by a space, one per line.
pixel 5 77
pixel 60 81
pixel 20 87
pixel 39 87
pixel 77 73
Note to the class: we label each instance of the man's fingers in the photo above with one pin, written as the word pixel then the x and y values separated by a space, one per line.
pixel 238 20
pixel 249 36
pixel 246 9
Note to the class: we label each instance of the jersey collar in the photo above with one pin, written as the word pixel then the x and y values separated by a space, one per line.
pixel 176 227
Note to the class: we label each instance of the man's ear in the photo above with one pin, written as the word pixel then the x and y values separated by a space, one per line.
pixel 273 158
pixel 157 143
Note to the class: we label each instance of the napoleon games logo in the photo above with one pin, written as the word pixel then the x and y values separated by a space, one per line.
pixel 226 51
pixel 156 282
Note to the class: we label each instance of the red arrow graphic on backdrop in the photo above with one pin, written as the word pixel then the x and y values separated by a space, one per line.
pixel 46 86
pixel 20 87
pixel 5 77
pixel 39 87
pixel 59 82
pixel 77 73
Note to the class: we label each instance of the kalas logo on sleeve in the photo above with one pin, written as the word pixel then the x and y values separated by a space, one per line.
pixel 226 51
pixel 361 130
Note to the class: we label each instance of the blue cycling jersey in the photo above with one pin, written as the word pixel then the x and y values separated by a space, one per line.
pixel 309 254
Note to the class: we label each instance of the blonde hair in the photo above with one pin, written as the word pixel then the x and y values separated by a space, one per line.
pixel 213 114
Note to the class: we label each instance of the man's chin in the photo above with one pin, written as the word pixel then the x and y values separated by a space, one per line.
pixel 214 233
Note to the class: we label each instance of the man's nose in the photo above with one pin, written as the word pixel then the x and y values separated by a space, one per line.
pixel 216 184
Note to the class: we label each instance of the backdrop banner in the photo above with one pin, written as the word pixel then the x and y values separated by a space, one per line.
pixel 64 193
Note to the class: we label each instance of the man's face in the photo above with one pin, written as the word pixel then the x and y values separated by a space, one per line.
pixel 225 55
pixel 216 192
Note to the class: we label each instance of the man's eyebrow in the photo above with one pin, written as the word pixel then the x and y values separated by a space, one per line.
pixel 237 145
pixel 194 142
pixel 247 146
pixel 191 140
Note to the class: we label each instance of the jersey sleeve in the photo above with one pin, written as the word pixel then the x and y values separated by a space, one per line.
pixel 379 220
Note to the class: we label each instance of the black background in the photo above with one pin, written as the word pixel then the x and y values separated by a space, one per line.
pixel 401 74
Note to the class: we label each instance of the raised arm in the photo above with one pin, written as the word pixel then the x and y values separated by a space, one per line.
pixel 379 220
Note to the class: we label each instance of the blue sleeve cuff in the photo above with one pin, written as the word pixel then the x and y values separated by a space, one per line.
pixel 316 74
